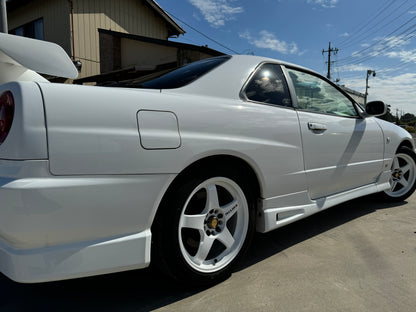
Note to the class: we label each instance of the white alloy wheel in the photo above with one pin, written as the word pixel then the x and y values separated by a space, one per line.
pixel 403 175
pixel 213 225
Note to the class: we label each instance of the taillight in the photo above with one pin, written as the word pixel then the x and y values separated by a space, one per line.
pixel 6 114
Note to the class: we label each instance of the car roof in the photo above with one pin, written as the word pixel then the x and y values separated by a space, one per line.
pixel 227 80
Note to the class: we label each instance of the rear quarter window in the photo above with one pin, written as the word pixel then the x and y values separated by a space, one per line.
pixel 268 85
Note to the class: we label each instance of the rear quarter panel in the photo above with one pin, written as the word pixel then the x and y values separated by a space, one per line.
pixel 94 130
pixel 27 137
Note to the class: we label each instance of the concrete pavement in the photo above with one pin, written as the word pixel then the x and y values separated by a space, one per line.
pixel 358 256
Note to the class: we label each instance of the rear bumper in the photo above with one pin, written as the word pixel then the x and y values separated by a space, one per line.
pixel 75 260
pixel 64 227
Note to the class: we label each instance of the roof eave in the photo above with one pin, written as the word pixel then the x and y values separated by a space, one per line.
pixel 178 30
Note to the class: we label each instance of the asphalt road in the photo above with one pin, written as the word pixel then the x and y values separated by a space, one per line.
pixel 358 256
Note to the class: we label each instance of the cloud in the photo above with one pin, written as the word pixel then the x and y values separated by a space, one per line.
pixel 353 68
pixel 395 41
pixel 404 56
pixel 267 40
pixel 382 46
pixel 217 12
pixel 398 91
pixel 324 3
pixel 345 35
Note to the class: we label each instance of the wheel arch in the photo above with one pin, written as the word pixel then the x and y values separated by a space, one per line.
pixel 406 143
pixel 204 164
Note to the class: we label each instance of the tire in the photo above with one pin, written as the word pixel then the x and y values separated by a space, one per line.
pixel 204 225
pixel 403 176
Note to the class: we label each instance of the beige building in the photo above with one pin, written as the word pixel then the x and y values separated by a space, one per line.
pixel 357 96
pixel 125 56
pixel 104 35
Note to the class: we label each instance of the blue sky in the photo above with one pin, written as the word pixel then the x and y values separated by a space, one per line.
pixel 379 35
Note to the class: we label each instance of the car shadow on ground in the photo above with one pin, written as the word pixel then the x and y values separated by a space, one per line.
pixel 268 244
pixel 145 290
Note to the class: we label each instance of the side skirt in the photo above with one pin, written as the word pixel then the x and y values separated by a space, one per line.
pixel 278 211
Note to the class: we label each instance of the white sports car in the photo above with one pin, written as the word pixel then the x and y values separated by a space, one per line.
pixel 179 169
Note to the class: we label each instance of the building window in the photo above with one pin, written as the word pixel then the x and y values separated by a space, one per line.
pixel 31 30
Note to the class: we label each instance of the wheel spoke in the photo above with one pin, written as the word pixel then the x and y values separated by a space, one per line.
pixel 405 168
pixel 230 209
pixel 226 238
pixel 403 175
pixel 403 182
pixel 209 240
pixel 204 248
pixel 212 198
pixel 396 164
pixel 193 222
pixel 393 185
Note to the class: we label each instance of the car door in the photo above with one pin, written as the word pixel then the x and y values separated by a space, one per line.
pixel 341 150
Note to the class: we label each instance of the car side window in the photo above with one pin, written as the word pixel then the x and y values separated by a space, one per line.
pixel 317 95
pixel 268 85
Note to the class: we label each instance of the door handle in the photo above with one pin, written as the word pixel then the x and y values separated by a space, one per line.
pixel 315 126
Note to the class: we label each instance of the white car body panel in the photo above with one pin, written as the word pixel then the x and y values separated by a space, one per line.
pixel 21 58
pixel 93 148
pixel 27 138
pixel 60 227
pixel 158 129
pixel 353 153
pixel 84 169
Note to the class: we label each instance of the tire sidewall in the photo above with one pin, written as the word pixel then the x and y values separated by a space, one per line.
pixel 409 152
pixel 166 235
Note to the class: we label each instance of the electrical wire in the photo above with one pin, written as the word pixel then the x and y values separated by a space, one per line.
pixel 202 34
pixel 361 28
pixel 375 46
pixel 384 46
pixel 369 34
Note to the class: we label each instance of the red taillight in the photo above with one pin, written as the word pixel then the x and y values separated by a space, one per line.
pixel 6 114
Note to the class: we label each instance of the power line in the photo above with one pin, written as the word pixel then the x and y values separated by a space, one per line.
pixel 361 28
pixel 202 34
pixel 398 67
pixel 353 60
pixel 396 38
pixel 368 34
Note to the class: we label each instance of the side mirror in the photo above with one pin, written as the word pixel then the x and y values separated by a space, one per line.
pixel 376 108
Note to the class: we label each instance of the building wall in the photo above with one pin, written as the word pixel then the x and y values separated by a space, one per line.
pixel 358 99
pixel 120 51
pixel 56 19
pixel 144 53
pixel 357 96
pixel 127 16
pixel 136 53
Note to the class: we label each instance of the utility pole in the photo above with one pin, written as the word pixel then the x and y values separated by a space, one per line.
pixel 329 51
pixel 3 17
pixel 369 72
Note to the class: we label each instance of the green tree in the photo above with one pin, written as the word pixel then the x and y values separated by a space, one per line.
pixel 408 119
pixel 388 116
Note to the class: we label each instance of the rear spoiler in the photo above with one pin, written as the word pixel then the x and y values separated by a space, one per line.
pixel 21 59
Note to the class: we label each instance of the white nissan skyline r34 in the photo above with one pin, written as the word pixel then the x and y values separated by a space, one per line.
pixel 181 169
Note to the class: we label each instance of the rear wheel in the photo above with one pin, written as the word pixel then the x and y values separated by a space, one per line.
pixel 204 227
pixel 403 175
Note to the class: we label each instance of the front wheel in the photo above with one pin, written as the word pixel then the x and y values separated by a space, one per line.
pixel 403 175
pixel 204 227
